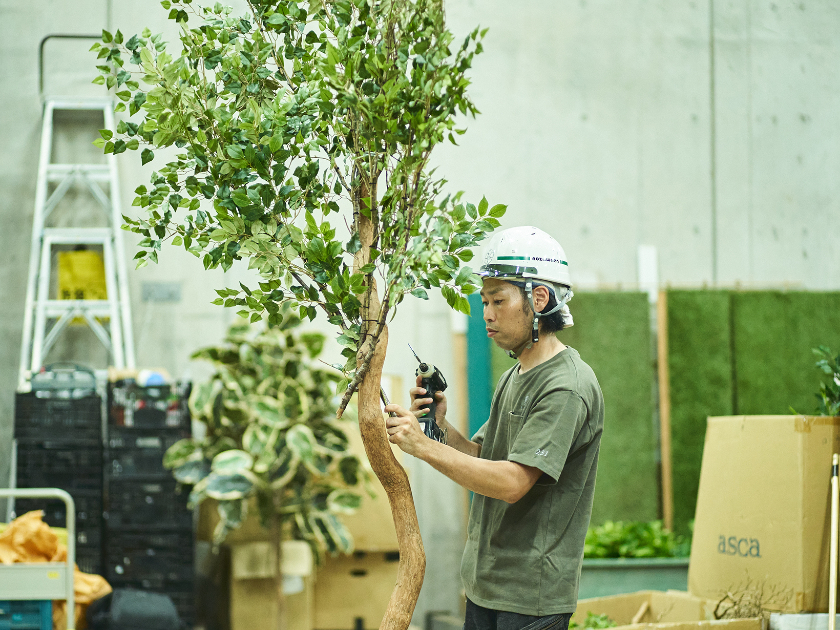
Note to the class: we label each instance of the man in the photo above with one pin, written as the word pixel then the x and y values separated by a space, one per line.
pixel 532 465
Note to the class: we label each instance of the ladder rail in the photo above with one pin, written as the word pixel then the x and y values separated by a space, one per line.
pixel 113 303
pixel 34 254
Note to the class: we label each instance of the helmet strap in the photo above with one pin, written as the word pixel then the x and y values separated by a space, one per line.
pixel 535 329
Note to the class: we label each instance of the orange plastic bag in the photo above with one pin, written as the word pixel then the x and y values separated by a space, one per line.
pixel 29 539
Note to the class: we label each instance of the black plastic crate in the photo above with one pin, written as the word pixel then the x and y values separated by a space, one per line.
pixel 138 463
pixel 147 503
pixel 57 464
pixel 88 509
pixel 130 405
pixel 156 564
pixel 161 439
pixel 26 615
pixel 121 539
pixel 90 560
pixel 52 418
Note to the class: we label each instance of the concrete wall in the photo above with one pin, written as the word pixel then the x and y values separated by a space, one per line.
pixel 704 128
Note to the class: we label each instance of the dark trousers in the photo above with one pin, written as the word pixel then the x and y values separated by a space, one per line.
pixel 480 618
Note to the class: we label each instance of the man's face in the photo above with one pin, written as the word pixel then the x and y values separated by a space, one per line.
pixel 507 315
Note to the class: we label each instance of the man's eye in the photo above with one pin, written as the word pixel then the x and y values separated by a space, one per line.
pixel 497 302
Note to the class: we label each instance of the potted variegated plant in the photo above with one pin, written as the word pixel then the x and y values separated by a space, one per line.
pixel 272 439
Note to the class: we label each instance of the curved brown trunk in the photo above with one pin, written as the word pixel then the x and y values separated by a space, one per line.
pixel 412 565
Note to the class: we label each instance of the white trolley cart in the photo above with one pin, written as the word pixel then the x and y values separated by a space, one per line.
pixel 43 580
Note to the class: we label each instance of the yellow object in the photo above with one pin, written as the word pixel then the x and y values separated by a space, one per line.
pixel 29 539
pixel 81 276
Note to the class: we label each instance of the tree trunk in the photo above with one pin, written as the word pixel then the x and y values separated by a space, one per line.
pixel 412 566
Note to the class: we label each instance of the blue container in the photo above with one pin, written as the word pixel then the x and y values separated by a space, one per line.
pixel 26 615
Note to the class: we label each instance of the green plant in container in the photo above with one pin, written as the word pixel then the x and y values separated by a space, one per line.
pixel 829 394
pixel 271 438
pixel 633 539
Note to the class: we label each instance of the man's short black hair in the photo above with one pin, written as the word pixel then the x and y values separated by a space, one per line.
pixel 552 323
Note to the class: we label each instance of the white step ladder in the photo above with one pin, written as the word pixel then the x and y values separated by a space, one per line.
pixel 46 318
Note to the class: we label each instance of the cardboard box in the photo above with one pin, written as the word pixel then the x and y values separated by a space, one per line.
pixel 662 610
pixel 354 587
pixel 255 605
pixel 763 510
pixel 255 602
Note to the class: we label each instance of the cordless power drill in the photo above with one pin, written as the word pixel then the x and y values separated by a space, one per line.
pixel 433 382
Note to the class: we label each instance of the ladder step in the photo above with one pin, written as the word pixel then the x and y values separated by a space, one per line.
pixel 97 308
pixel 81 103
pixel 81 236
pixel 96 172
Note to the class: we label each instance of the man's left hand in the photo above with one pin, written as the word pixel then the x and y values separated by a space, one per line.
pixel 404 431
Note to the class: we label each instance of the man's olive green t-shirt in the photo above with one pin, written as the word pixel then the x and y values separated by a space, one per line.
pixel 525 557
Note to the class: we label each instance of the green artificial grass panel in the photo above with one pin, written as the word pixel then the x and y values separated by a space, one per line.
pixel 774 333
pixel 612 334
pixel 700 372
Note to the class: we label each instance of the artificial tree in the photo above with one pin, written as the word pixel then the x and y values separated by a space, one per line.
pixel 296 114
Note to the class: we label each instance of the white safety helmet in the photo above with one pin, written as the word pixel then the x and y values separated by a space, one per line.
pixel 527 256
pixel 525 252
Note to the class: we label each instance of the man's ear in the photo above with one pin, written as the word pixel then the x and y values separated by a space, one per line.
pixel 541 296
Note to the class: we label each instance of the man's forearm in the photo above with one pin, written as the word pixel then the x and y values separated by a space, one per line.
pixel 459 442
pixel 503 480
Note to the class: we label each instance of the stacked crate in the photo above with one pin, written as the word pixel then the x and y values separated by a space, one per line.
pixel 149 529
pixel 59 445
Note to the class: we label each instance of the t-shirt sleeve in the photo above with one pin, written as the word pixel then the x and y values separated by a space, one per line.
pixel 478 438
pixel 549 431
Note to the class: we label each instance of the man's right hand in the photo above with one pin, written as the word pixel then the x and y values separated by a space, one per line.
pixel 420 403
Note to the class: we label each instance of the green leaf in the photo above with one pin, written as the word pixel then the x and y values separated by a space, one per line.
pixel 227 487
pixel 106 134
pixel 191 472
pixel 463 275
pixel 498 210
pixel 420 292
pixel 179 452
pixel 354 244
pixel 301 442
pixel 232 462
pixel 107 37
pixel 344 502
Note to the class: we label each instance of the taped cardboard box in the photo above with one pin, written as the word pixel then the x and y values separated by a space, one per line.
pixel 353 588
pixel 763 510
pixel 255 599
pixel 660 610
